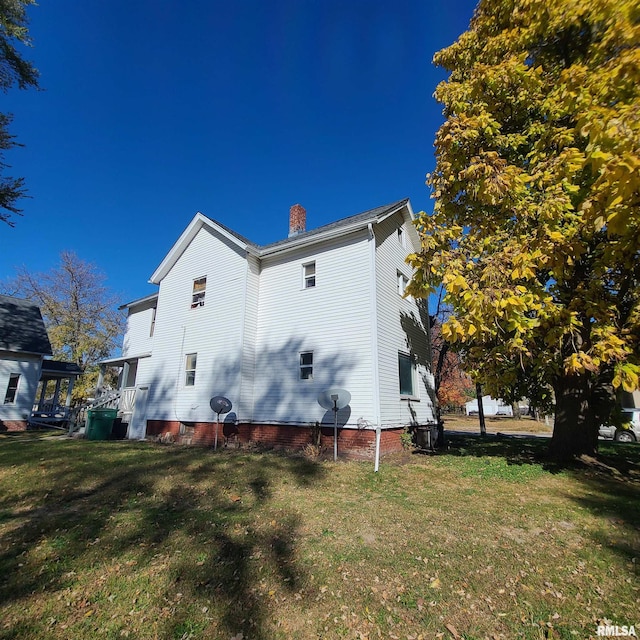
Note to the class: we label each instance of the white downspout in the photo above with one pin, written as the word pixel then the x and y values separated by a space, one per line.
pixel 373 315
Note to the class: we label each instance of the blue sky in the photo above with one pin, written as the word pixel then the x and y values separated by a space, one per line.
pixel 152 110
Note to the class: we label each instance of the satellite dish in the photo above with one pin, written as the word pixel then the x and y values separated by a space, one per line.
pixel 220 404
pixel 334 399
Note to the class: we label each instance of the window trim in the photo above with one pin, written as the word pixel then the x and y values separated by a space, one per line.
pixel 408 357
pixel 198 295
pixel 302 366
pixel 152 328
pixel 14 389
pixel 309 280
pixel 190 380
pixel 402 237
pixel 403 282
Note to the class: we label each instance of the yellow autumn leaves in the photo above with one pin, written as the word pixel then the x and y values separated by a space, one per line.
pixel 535 232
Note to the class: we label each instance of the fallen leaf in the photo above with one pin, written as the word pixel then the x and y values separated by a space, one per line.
pixel 452 630
pixel 435 583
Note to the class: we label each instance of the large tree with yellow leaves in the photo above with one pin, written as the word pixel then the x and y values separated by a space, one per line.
pixel 535 231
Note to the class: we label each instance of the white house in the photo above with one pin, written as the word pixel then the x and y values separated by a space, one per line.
pixel 271 327
pixel 24 347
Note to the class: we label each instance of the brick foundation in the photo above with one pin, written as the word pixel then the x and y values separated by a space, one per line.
pixel 13 425
pixel 352 443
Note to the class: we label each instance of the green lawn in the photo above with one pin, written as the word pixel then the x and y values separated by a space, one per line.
pixel 139 540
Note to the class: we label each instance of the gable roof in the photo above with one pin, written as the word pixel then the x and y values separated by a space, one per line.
pixel 338 228
pixel 21 327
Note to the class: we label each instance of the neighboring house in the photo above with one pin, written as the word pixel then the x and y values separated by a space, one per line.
pixel 490 406
pixel 24 346
pixel 270 327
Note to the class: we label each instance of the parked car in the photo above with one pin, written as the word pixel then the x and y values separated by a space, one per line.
pixel 631 418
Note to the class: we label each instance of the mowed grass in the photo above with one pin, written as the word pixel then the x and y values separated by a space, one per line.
pixel 140 540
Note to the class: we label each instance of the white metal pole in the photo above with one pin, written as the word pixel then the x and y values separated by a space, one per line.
pixel 335 430
pixel 377 462
pixel 215 441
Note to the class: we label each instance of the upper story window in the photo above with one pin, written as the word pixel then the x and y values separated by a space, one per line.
pixel 199 289
pixel 309 275
pixel 403 281
pixel 405 370
pixel 12 388
pixel 306 365
pixel 190 369
pixel 402 238
pixel 153 322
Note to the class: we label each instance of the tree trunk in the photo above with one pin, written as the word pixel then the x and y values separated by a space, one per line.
pixel 483 426
pixel 515 408
pixel 575 430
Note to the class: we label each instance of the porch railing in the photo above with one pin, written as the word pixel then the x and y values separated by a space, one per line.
pixel 123 400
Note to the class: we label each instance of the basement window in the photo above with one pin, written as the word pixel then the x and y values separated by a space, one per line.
pixel 190 369
pixel 199 289
pixel 12 389
pixel 306 365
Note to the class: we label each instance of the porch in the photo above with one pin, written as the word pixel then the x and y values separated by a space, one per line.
pixel 57 379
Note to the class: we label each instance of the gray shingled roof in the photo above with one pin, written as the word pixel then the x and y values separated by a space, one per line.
pixel 21 327
pixel 58 367
pixel 363 217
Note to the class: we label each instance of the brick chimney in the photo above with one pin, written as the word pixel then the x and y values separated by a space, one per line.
pixel 297 220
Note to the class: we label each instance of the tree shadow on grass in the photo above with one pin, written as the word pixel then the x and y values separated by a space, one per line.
pixel 191 537
pixel 610 483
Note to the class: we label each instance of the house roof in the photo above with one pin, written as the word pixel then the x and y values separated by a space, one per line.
pixel 356 221
pixel 61 369
pixel 340 227
pixel 21 327
pixel 138 301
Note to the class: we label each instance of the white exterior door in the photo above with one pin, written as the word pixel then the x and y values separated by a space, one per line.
pixel 138 424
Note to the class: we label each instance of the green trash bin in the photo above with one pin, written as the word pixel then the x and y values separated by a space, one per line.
pixel 100 423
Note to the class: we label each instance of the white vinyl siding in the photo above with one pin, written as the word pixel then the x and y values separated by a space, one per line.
pixel 402 328
pixel 244 409
pixel 214 332
pixel 331 320
pixel 27 367
pixel 140 320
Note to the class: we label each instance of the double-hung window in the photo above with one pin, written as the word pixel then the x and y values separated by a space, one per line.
pixel 190 369
pixel 12 388
pixel 199 289
pixel 309 275
pixel 306 365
